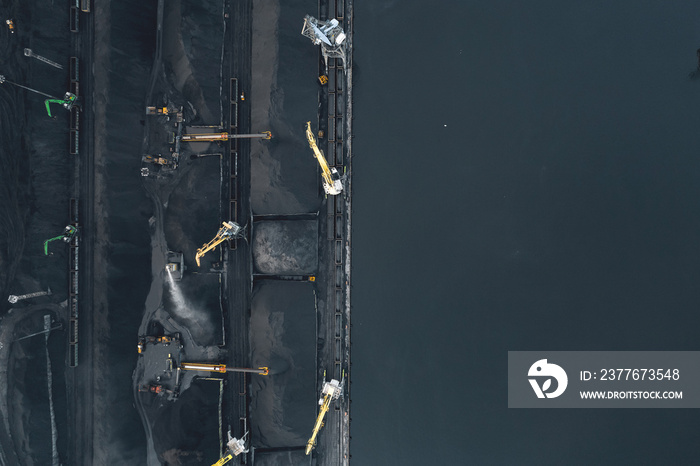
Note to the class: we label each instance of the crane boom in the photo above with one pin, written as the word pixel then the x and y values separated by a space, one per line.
pixel 331 178
pixel 227 230
pixel 221 368
pixel 223 460
pixel 319 422
pixel 234 447
pixel 224 136
pixel 330 391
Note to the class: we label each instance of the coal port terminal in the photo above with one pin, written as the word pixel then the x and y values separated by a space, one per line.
pixel 190 302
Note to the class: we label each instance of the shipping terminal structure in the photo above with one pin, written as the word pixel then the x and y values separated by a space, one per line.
pixel 236 302
pixel 246 262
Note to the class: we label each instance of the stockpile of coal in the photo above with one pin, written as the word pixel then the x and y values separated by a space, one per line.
pixel 34 159
pixel 283 337
pixel 284 173
pixel 187 432
pixel 286 247
pixel 35 177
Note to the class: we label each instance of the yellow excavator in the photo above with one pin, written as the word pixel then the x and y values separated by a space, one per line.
pixel 331 391
pixel 331 178
pixel 228 230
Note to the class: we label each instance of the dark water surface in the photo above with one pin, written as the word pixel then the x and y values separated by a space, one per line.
pixel 525 178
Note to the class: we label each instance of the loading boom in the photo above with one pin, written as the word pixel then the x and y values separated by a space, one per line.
pixel 221 368
pixel 331 178
pixel 210 137
pixel 331 391
pixel 228 230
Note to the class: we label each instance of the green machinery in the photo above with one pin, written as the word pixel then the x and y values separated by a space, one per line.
pixel 67 102
pixel 68 233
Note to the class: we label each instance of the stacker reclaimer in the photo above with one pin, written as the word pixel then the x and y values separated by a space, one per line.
pixel 234 447
pixel 331 391
pixel 328 34
pixel 68 101
pixel 68 233
pixel 228 230
pixel 331 178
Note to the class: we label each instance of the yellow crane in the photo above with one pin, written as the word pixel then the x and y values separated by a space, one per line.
pixel 224 460
pixel 331 391
pixel 221 368
pixel 208 137
pixel 331 178
pixel 228 230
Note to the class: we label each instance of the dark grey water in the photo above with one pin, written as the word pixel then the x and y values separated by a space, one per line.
pixel 526 178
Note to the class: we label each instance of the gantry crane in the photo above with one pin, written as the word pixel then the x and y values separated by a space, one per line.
pixel 221 368
pixel 331 178
pixel 228 230
pixel 331 391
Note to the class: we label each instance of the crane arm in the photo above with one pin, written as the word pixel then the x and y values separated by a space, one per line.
pixel 208 247
pixel 46 243
pixel 67 102
pixel 206 137
pixel 319 156
pixel 227 230
pixel 223 460
pixel 331 179
pixel 319 422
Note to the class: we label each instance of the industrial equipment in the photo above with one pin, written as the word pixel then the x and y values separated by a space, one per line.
pixel 331 178
pixel 209 137
pixel 328 34
pixel 13 298
pixel 143 340
pixel 68 233
pixel 331 391
pixel 176 265
pixel 156 389
pixel 157 110
pixel 30 53
pixel 228 230
pixel 323 79
pixel 234 448
pixel 224 460
pixel 67 102
pixel 10 25
pixel 159 160
pixel 221 368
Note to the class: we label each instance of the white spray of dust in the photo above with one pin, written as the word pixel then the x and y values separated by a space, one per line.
pixel 176 293
pixel 196 320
